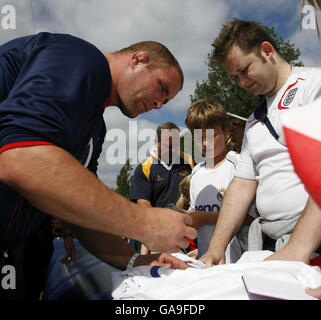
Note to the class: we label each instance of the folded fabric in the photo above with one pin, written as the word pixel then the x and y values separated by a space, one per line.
pixel 221 282
pixel 279 230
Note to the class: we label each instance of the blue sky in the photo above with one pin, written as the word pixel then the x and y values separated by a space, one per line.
pixel 186 27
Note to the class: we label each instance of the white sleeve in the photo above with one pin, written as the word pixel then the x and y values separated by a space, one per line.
pixel 313 86
pixel 246 167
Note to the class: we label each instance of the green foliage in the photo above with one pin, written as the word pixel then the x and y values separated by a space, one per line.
pixel 221 88
pixel 124 179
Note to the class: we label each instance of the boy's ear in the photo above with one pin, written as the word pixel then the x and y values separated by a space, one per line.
pixel 227 136
pixel 226 133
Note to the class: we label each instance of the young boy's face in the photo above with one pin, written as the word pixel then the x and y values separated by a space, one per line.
pixel 213 142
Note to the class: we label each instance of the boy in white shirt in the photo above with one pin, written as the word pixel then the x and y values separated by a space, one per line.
pixel 210 178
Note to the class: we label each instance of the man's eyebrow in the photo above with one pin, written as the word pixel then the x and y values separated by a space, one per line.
pixel 243 67
pixel 165 88
pixel 240 69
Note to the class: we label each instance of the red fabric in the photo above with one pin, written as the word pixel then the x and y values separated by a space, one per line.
pixel 192 245
pixel 305 153
pixel 316 261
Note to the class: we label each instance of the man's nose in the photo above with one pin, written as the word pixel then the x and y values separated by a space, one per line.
pixel 243 81
pixel 157 104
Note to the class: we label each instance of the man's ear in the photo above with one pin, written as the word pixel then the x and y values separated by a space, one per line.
pixel 138 57
pixel 267 49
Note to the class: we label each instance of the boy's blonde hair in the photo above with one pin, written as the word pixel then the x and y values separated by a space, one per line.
pixel 206 114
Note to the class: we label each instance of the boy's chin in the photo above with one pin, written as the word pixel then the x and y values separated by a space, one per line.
pixel 209 154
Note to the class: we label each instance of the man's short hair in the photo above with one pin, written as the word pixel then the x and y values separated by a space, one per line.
pixel 247 35
pixel 166 126
pixel 158 54
pixel 205 114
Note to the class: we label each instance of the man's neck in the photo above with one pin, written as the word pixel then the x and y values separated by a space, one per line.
pixel 114 69
pixel 283 73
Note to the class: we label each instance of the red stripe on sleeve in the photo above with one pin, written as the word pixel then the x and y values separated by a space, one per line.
pixel 24 144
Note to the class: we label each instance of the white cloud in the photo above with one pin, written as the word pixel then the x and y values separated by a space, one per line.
pixel 134 139
pixel 187 27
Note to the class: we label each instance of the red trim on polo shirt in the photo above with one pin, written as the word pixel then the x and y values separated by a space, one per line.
pixel 107 103
pixel 24 144
pixel 254 123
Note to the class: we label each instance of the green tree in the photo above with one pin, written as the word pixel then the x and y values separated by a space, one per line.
pixel 222 89
pixel 124 179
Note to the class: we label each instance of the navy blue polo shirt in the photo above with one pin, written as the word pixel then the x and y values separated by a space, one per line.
pixel 53 90
pixel 155 183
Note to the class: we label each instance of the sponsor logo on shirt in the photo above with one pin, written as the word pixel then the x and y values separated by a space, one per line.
pixel 220 194
pixel 207 207
pixel 183 172
pixel 288 95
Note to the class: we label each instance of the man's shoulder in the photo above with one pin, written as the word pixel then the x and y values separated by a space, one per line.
pixel 306 73
pixel 146 166
pixel 148 161
pixel 73 48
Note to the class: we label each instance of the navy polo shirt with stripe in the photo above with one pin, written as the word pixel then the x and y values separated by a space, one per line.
pixel 53 90
pixel 155 183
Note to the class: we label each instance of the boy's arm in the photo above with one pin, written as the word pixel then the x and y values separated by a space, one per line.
pixel 237 200
pixel 117 252
pixel 201 218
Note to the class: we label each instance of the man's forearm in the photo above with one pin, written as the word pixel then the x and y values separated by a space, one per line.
pixel 58 184
pixel 144 203
pixel 107 247
pixel 117 252
pixel 306 237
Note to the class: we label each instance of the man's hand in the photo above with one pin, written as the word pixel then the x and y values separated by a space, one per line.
pixel 167 230
pixel 213 257
pixel 314 292
pixel 162 260
pixel 70 249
